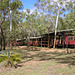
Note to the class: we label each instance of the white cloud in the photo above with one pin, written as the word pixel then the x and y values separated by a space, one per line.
pixel 31 10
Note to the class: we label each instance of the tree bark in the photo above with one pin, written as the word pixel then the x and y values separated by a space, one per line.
pixel 56 26
pixel 29 39
pixel 0 39
pixel 1 31
pixel 48 39
pixel 10 29
pixel 3 39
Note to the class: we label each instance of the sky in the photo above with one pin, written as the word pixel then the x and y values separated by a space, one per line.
pixel 28 4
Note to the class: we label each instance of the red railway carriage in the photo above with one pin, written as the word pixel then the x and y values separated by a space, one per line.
pixel 70 40
pixel 67 40
pixel 34 44
pixel 63 38
pixel 18 42
pixel 34 41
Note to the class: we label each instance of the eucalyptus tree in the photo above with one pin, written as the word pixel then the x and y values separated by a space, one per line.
pixel 29 25
pixel 4 10
pixel 52 7
pixel 58 7
pixel 2 18
pixel 15 28
pixel 33 25
pixel 69 21
pixel 40 22
pixel 25 25
pixel 46 7
pixel 70 6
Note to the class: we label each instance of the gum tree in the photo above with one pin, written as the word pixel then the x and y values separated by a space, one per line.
pixel 4 11
pixel 52 7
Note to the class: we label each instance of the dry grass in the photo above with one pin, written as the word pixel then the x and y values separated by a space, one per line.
pixel 42 62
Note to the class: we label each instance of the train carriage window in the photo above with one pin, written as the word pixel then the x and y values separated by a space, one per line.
pixel 70 38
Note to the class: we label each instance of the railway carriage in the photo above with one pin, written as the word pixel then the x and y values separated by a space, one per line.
pixel 63 38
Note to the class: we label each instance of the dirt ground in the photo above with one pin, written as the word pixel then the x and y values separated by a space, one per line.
pixel 42 49
pixel 40 53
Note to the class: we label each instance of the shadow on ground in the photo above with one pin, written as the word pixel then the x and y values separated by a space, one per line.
pixel 36 55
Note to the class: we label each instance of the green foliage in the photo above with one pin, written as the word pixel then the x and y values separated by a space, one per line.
pixel 2 57
pixel 15 57
pixel 4 4
pixel 16 4
pixel 73 33
pixel 11 59
pixel 67 23
pixel 5 7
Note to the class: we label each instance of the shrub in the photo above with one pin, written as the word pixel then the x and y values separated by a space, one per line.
pixel 12 60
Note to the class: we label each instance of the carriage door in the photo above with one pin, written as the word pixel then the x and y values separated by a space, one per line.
pixel 61 40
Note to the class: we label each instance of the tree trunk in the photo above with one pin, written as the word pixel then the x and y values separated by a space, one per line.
pixel 41 41
pixel 0 39
pixel 56 26
pixel 3 39
pixel 29 39
pixel 11 29
pixel 4 44
pixel 54 41
pixel 74 10
pixel 48 38
pixel 0 43
pixel 1 31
